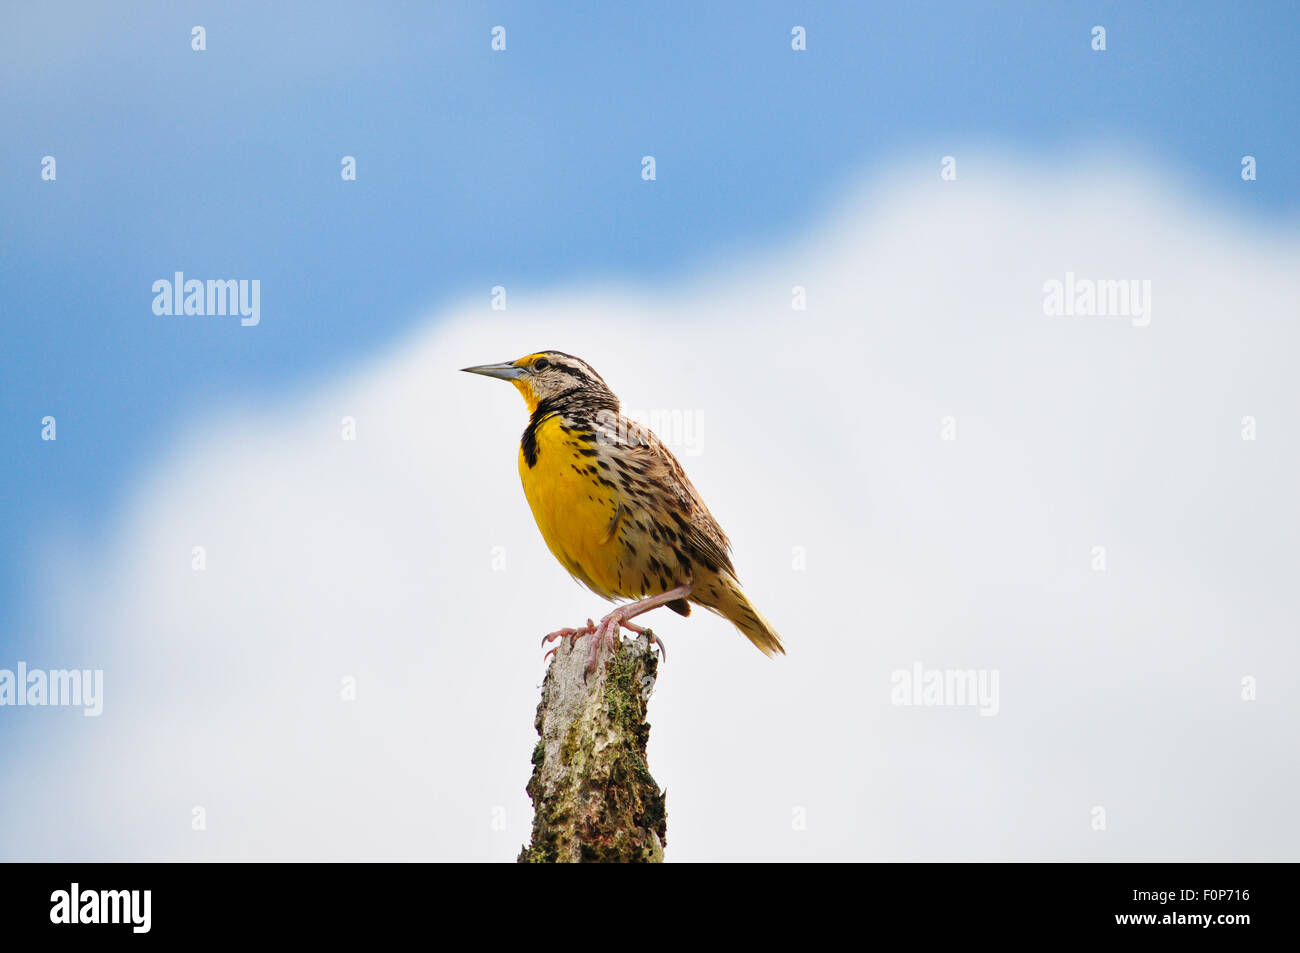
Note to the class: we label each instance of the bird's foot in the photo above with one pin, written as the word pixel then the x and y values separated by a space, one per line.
pixel 608 632
pixel 605 633
pixel 572 634
pixel 649 633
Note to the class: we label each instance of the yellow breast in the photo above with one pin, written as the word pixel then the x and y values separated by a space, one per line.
pixel 575 506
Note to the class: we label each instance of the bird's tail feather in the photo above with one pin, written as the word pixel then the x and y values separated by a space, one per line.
pixel 725 597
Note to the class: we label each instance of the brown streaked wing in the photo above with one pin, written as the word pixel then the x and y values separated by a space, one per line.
pixel 671 492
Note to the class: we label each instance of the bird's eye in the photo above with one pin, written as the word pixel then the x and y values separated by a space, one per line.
pixel 541 364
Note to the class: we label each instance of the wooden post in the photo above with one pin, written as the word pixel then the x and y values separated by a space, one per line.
pixel 593 797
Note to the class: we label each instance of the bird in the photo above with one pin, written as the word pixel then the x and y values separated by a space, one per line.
pixel 616 509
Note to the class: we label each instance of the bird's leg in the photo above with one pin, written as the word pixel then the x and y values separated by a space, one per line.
pixel 572 634
pixel 609 626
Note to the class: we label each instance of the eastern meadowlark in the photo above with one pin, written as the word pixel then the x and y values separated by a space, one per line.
pixel 616 508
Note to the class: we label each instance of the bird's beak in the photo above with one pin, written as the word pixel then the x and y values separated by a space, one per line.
pixel 508 371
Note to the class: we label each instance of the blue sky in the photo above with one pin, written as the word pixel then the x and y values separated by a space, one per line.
pixel 519 168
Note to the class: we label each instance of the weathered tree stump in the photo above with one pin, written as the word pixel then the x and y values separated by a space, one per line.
pixel 593 797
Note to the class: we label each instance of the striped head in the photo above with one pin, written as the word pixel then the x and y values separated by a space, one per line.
pixel 552 378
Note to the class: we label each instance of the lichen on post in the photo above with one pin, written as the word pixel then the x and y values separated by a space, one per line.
pixel 593 797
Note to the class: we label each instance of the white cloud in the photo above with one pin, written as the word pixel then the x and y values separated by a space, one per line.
pixel 820 429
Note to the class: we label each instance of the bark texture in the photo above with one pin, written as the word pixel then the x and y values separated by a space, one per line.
pixel 593 797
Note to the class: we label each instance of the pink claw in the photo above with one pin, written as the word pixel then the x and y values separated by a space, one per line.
pixel 654 639
pixel 573 634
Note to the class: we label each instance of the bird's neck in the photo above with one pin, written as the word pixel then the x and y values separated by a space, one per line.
pixel 579 402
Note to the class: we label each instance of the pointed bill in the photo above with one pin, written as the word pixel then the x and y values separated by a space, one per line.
pixel 508 371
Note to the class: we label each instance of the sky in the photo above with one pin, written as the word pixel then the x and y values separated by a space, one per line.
pixel 523 168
